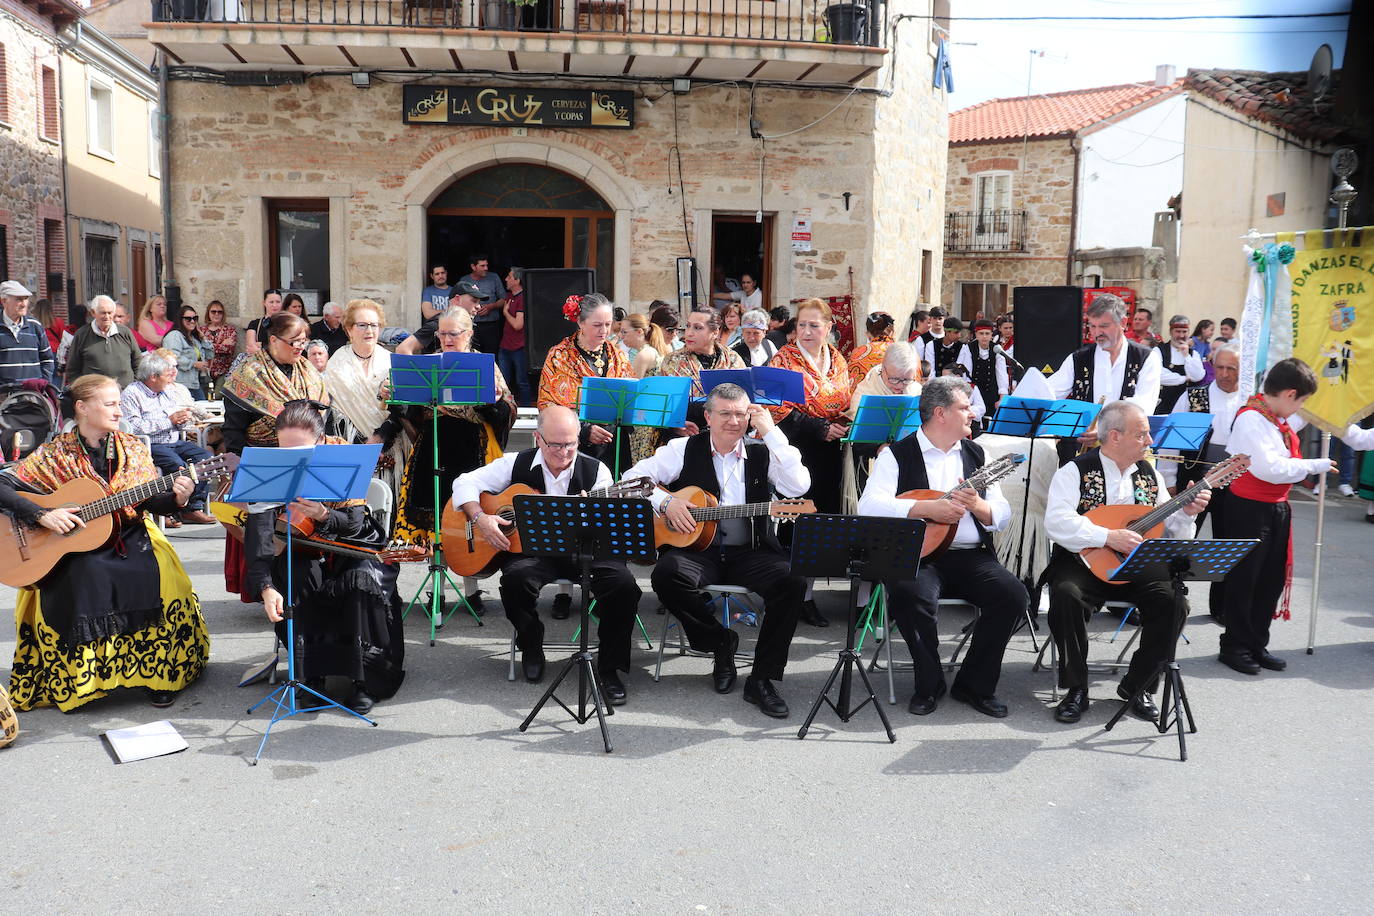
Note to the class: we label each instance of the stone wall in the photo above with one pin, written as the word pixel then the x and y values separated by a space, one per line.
pixel 30 166
pixel 1141 269
pixel 234 147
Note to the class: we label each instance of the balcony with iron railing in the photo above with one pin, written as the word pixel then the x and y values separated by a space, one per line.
pixel 985 230
pixel 803 41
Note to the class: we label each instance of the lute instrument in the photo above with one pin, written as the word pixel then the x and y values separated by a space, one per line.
pixel 304 539
pixel 468 553
pixel 1148 521
pixel 707 511
pixel 28 554
pixel 939 535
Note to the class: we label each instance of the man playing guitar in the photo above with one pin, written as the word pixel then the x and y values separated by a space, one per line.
pixel 554 468
pixel 1114 474
pixel 744 551
pixel 939 456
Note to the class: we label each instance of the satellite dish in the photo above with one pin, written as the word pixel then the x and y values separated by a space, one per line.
pixel 1319 73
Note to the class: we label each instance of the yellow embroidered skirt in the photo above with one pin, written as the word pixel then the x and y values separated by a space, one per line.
pixel 166 656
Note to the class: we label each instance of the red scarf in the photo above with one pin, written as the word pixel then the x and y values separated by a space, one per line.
pixel 1248 486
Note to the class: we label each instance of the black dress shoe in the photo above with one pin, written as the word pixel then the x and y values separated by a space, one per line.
pixel 161 699
pixel 1142 707
pixel 812 614
pixel 1072 707
pixel 562 606
pixel 612 688
pixel 1266 659
pixel 921 705
pixel 723 673
pixel 1240 660
pixel 475 602
pixel 532 661
pixel 988 705
pixel 762 693
pixel 362 701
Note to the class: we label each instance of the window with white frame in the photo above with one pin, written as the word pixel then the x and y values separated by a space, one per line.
pixel 154 142
pixel 100 116
pixel 992 191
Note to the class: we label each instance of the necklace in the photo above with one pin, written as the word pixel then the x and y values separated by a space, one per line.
pixel 597 359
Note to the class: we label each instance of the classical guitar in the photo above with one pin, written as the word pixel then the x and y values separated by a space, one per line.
pixel 468 553
pixel 940 535
pixel 1148 521
pixel 28 554
pixel 707 511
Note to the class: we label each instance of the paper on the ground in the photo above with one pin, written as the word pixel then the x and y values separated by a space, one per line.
pixel 156 739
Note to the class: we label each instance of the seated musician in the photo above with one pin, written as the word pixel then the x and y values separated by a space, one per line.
pixel 122 615
pixel 937 457
pixel 555 468
pixel 745 552
pixel 347 609
pixel 1114 474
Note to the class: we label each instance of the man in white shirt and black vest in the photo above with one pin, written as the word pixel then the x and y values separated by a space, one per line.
pixel 555 468
pixel 938 456
pixel 721 461
pixel 1111 368
pixel 989 373
pixel 950 351
pixel 1114 475
pixel 1180 364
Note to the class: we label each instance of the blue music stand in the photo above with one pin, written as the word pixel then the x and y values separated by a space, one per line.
pixel 767 385
pixel 280 475
pixel 1187 432
pixel 430 380
pixel 658 401
pixel 885 418
pixel 1181 559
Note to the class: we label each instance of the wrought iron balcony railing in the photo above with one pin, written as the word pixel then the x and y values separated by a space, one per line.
pixel 986 230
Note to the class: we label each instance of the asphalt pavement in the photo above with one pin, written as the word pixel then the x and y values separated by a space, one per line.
pixel 706 806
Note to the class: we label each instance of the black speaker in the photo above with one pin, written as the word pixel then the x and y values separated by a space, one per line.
pixel 1049 325
pixel 545 290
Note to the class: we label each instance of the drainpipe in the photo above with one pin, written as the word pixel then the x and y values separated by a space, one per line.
pixel 1073 214
pixel 67 283
pixel 170 288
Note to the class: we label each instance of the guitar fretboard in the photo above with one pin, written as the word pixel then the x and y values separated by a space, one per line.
pixel 986 477
pixel 743 510
pixel 507 513
pixel 116 501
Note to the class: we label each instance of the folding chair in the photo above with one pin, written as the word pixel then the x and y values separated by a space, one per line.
pixel 572 644
pixel 735 603
pixel 877 605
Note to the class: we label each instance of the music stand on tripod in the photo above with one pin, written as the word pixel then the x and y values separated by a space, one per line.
pixel 1183 560
pixel 658 401
pixel 584 530
pixel 858 547
pixel 278 476
pixel 432 380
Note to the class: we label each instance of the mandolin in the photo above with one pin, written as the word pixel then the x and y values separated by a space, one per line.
pixel 468 553
pixel 234 515
pixel 940 535
pixel 28 554
pixel 1148 521
pixel 707 510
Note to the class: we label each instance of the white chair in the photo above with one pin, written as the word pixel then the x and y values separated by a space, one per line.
pixel 1102 667
pixel 572 646
pixel 735 602
pixel 379 501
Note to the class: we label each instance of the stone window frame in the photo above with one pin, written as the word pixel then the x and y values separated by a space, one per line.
pixel 94 80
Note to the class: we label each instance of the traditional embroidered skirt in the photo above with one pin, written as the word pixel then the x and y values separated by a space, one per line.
pixel 167 655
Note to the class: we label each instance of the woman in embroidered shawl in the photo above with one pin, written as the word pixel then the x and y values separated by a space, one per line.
pixel 589 352
pixel 123 615
pixel 348 612
pixel 355 377
pixel 861 359
pixel 255 392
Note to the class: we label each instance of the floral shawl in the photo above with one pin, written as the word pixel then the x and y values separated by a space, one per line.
pixel 64 459
pixel 828 397
pixel 684 362
pixel 565 367
pixel 259 386
pixel 866 357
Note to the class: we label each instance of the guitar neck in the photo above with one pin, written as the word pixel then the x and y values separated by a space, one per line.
pixel 116 501
pixel 508 512
pixel 744 510
pixel 984 478
pixel 1162 512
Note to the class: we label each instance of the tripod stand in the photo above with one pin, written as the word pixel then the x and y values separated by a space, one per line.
pixel 583 530
pixel 1183 560
pixel 860 548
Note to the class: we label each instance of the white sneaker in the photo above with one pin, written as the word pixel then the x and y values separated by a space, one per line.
pixel 1345 490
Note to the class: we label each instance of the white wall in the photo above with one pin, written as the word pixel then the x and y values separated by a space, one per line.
pixel 1128 170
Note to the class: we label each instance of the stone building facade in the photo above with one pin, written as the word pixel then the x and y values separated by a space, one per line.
pixel 32 202
pixel 691 177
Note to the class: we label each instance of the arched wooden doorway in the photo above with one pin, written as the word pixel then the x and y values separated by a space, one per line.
pixel 523 215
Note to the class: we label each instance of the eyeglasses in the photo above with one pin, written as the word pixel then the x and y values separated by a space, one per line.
pixel 558 446
pixel 367 326
pixel 446 335
pixel 298 344
pixel 191 318
pixel 216 312
pixel 904 381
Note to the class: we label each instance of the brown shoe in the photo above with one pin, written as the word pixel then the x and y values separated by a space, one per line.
pixel 198 517
pixel 171 521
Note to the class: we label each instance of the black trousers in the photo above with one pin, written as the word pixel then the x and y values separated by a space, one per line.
pixel 170 456
pixel 1075 594
pixel 1216 511
pixel 1255 586
pixel 613 586
pixel 680 575
pixel 974 575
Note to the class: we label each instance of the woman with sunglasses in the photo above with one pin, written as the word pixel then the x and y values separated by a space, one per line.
pixel 191 350
pixel 223 339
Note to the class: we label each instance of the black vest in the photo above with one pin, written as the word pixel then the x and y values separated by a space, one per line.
pixel 985 378
pixel 1083 359
pixel 1169 394
pixel 911 471
pixel 1092 482
pixel 583 476
pixel 698 470
pixel 946 356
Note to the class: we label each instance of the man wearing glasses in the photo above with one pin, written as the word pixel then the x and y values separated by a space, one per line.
pixel 745 550
pixel 555 468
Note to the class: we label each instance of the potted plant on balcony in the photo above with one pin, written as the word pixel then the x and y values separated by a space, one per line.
pixel 847 23
pixel 503 14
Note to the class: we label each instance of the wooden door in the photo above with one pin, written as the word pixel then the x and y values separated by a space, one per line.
pixel 138 276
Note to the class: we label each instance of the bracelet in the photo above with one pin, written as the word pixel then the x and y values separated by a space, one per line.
pixel 663 509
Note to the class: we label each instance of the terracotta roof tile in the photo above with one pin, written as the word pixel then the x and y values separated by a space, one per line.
pixel 1051 115
pixel 1280 99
